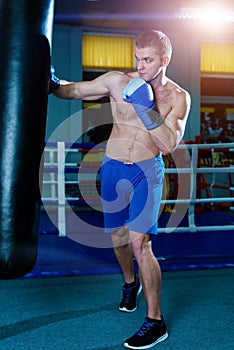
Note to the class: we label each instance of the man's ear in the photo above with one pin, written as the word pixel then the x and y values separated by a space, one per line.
pixel 165 61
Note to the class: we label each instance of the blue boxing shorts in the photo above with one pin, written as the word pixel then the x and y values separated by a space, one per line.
pixel 131 194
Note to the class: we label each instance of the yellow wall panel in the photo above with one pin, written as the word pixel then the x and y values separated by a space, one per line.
pixel 217 58
pixel 107 52
pixel 207 109
pixel 230 110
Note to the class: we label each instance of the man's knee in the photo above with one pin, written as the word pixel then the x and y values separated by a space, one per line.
pixel 120 237
pixel 141 243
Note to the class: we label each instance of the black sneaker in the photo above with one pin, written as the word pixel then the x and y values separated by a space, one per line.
pixel 129 303
pixel 148 335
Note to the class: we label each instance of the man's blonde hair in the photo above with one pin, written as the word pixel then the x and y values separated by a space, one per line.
pixel 157 40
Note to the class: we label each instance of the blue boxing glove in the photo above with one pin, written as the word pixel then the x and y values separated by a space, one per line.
pixel 54 81
pixel 140 94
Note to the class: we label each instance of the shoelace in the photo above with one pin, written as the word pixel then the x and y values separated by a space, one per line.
pixel 127 293
pixel 144 328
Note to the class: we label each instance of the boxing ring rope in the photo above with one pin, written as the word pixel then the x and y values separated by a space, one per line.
pixel 58 166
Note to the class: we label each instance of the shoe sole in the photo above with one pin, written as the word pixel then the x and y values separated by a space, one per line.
pixel 162 338
pixel 124 309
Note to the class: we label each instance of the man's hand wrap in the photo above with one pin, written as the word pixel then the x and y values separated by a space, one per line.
pixel 140 94
pixel 54 81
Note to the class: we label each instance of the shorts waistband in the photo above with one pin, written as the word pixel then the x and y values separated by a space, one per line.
pixel 142 163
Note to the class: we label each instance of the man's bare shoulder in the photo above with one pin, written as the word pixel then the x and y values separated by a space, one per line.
pixel 118 76
pixel 172 97
pixel 175 88
pixel 133 74
pixel 115 81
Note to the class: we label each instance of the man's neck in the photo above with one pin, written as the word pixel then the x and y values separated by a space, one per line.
pixel 159 81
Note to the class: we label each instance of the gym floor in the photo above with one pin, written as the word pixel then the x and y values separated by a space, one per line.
pixel 81 312
pixel 70 299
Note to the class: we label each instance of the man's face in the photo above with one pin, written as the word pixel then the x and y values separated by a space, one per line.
pixel 149 63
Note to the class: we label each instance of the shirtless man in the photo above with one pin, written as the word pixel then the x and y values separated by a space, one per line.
pixel 149 117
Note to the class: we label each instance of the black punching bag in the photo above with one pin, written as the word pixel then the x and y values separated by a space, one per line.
pixel 25 37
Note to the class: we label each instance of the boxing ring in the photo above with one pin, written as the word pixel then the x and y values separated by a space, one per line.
pixel 196 224
pixel 58 168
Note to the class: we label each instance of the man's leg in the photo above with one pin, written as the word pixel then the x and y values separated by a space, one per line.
pixel 132 286
pixel 153 329
pixel 150 272
pixel 123 252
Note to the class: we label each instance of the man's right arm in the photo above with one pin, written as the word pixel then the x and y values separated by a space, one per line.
pixel 85 90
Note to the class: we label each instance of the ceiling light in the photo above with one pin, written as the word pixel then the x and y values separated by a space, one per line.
pixel 207 14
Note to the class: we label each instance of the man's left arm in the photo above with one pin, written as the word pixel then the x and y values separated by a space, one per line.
pixel 166 132
pixel 168 135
